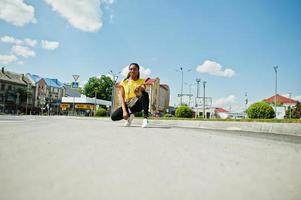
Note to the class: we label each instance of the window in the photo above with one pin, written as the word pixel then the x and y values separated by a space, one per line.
pixel 2 86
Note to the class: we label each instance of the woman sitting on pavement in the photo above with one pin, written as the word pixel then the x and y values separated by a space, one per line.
pixel 133 97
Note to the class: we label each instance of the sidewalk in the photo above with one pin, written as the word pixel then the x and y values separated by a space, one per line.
pixel 293 129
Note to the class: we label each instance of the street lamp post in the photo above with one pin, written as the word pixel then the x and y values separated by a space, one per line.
pixel 275 97
pixel 182 78
pixel 73 105
pixel 189 93
pixel 181 85
pixel 246 101
pixel 115 78
pixel 204 85
pixel 198 80
pixel 290 95
pixel 95 104
pixel 27 91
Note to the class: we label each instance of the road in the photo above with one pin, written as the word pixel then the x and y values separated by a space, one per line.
pixel 66 158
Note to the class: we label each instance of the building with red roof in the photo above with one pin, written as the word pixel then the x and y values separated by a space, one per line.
pixel 283 104
pixel 282 100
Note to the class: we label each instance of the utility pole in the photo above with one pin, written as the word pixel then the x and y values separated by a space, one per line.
pixel 275 97
pixel 204 85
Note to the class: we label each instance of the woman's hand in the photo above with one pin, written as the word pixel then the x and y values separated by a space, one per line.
pixel 125 115
pixel 138 90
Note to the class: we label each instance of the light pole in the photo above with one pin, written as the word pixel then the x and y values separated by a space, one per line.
pixel 182 78
pixel 275 97
pixel 198 80
pixel 27 91
pixel 95 104
pixel 204 85
pixel 115 78
pixel 246 101
pixel 189 93
pixel 290 95
pixel 181 85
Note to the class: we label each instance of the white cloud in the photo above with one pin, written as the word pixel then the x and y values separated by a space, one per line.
pixel 84 15
pixel 229 103
pixel 10 39
pixel 23 51
pixel 144 73
pixel 215 68
pixel 110 76
pixel 16 12
pixel 297 98
pixel 108 1
pixel 30 42
pixel 50 45
pixel 82 83
pixel 6 59
pixel 225 101
pixel 20 63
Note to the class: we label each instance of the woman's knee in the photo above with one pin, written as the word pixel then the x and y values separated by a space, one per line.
pixel 113 118
pixel 117 115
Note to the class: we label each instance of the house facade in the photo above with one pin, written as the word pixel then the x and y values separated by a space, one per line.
pixel 48 93
pixel 16 93
pixel 283 104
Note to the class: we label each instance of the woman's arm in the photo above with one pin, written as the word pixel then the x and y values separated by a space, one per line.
pixel 122 99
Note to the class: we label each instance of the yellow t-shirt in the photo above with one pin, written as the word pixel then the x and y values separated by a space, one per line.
pixel 129 87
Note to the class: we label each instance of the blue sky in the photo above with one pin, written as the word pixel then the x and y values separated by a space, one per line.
pixel 233 43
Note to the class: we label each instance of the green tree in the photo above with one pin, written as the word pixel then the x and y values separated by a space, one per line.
pixel 102 86
pixel 296 111
pixel 184 111
pixel 260 110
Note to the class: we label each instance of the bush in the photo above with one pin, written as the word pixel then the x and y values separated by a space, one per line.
pixel 260 110
pixel 138 114
pixel 167 115
pixel 295 112
pixel 184 111
pixel 101 112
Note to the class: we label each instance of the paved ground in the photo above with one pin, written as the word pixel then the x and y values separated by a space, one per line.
pixel 80 158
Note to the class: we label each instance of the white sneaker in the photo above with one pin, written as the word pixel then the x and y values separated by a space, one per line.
pixel 128 122
pixel 144 123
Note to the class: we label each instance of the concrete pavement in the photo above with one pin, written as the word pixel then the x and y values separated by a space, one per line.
pixel 83 158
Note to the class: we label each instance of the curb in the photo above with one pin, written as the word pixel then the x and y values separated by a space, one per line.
pixel 293 129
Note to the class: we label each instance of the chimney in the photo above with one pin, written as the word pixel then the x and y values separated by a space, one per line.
pixel 3 70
